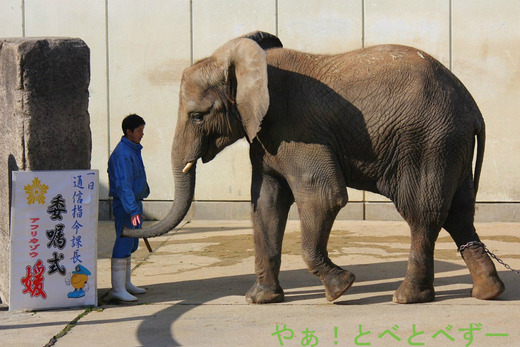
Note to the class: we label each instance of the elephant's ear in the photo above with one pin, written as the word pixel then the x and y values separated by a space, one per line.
pixel 247 59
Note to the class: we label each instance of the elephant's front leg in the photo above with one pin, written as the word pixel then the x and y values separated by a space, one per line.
pixel 316 220
pixel 320 196
pixel 271 199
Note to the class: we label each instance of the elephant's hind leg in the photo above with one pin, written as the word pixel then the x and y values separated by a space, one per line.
pixel 271 199
pixel 486 283
pixel 424 209
pixel 417 285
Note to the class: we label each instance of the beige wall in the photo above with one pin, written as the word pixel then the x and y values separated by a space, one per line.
pixel 139 49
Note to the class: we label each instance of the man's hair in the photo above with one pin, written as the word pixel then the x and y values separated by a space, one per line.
pixel 131 122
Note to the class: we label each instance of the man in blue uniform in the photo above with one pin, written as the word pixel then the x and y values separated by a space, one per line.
pixel 128 188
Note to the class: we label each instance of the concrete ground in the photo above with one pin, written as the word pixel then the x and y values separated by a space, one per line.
pixel 198 274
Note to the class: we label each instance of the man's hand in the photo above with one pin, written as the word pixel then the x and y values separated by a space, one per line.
pixel 136 219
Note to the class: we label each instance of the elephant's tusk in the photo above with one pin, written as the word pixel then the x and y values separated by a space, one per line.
pixel 188 167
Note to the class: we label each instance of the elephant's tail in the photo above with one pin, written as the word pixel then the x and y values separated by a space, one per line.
pixel 481 141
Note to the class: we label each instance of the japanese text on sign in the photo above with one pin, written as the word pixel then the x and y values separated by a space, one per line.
pixel 53 239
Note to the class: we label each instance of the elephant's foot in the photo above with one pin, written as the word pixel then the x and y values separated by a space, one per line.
pixel 264 294
pixel 486 283
pixel 337 283
pixel 408 293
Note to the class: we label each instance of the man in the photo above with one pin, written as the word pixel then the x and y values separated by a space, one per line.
pixel 128 187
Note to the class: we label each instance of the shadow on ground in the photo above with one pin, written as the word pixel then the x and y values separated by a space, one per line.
pixel 188 295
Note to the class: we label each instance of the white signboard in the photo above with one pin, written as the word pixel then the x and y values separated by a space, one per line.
pixel 53 239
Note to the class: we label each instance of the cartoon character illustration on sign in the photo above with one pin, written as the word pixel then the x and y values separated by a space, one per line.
pixel 79 280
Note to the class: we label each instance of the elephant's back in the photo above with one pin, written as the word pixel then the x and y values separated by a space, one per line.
pixel 376 80
pixel 371 62
pixel 384 83
pixel 378 73
pixel 386 100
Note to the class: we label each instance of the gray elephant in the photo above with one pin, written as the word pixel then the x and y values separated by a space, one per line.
pixel 387 119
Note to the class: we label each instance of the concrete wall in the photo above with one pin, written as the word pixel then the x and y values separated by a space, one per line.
pixel 139 49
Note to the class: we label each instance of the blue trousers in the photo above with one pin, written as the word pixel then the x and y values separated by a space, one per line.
pixel 123 246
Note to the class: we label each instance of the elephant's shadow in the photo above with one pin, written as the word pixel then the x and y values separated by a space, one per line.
pixel 378 281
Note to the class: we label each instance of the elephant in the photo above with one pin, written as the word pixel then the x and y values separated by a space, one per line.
pixel 387 119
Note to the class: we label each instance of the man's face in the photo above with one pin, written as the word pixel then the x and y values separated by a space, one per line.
pixel 136 135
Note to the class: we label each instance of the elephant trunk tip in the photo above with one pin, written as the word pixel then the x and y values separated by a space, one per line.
pixel 144 233
pixel 130 232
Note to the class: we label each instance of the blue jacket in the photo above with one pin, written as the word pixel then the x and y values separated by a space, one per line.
pixel 127 177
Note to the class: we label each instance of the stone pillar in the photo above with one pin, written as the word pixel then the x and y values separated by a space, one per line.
pixel 44 120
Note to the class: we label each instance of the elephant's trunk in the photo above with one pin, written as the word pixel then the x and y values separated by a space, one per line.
pixel 184 190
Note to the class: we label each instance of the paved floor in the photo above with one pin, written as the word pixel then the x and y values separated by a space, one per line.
pixel 197 277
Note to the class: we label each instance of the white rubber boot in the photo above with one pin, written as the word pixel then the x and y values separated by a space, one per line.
pixel 119 291
pixel 129 286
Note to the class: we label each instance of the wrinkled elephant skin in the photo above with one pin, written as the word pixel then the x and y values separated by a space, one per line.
pixel 386 119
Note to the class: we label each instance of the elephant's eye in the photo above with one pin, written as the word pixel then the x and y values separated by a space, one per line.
pixel 197 117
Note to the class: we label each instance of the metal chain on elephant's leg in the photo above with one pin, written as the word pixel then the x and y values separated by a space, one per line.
pixel 491 254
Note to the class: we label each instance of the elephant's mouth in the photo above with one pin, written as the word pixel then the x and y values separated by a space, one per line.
pixel 208 156
pixel 210 150
pixel 190 164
